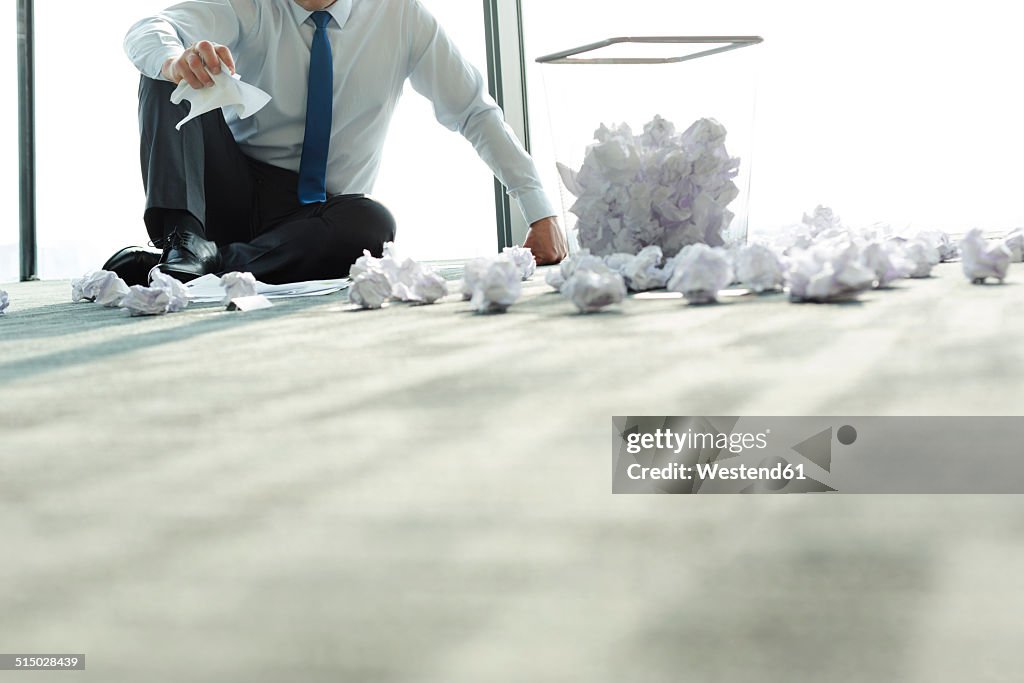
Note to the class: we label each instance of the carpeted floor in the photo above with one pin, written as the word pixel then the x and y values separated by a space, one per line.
pixel 420 494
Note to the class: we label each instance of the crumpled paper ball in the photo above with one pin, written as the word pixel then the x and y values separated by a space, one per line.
pixel 828 271
pixel 919 255
pixel 497 286
pixel 759 268
pixel 524 260
pixel 886 261
pixel 556 277
pixel 700 272
pixel 644 271
pixel 411 282
pixel 471 274
pixel 939 241
pixel 102 286
pixel 5 301
pixel 370 289
pixel 428 287
pixel 657 188
pixel 983 259
pixel 238 285
pixel 594 286
pixel 1015 243
pixel 165 294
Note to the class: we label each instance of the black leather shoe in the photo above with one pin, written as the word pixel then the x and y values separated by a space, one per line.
pixel 188 256
pixel 132 264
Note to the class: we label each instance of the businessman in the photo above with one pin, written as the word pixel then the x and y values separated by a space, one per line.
pixel 283 194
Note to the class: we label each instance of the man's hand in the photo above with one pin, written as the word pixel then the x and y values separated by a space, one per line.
pixel 197 63
pixel 547 241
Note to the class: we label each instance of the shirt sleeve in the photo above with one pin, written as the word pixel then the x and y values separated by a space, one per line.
pixel 154 40
pixel 441 74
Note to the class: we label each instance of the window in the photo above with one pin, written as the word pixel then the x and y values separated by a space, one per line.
pixel 898 112
pixel 90 196
pixel 440 191
pixel 9 261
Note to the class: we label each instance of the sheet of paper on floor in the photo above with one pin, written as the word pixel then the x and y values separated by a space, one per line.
pixel 209 290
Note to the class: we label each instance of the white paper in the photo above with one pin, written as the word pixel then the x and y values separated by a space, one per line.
pixel 700 272
pixel 524 260
pixel 371 289
pixel 938 240
pixel 102 286
pixel 147 301
pixel 657 188
pixel 471 275
pixel 177 292
pixel 164 295
pixel 920 256
pixel 983 259
pixel 497 286
pixel 593 286
pixel 5 301
pixel 238 286
pixel 557 277
pixel 256 302
pixel 1015 243
pixel 760 269
pixel 209 289
pixel 227 91
pixel 642 272
pixel 886 261
pixel 829 271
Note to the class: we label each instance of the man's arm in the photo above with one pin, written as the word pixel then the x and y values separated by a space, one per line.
pixel 156 45
pixel 439 72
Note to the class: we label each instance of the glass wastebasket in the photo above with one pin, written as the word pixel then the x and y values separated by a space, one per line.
pixel 682 79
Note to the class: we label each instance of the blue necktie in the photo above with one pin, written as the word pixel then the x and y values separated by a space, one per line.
pixel 319 114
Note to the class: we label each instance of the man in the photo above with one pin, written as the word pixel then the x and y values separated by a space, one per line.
pixel 282 194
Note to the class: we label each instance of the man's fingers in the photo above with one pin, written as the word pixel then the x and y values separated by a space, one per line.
pixel 195 64
pixel 209 56
pixel 225 57
pixel 184 71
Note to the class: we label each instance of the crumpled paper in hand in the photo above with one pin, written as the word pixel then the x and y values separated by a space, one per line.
pixel 829 271
pixel 657 188
pixel 5 301
pixel 983 259
pixel 524 260
pixel 497 285
pixel 759 268
pixel 370 289
pixel 165 294
pixel 237 286
pixel 227 91
pixel 593 286
pixel 700 272
pixel 102 286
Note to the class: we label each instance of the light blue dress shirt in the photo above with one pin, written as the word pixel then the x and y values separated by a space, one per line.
pixel 377 46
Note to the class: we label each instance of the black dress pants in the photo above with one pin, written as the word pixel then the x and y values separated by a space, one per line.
pixel 249 208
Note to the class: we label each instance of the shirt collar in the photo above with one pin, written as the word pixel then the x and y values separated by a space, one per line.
pixel 340 11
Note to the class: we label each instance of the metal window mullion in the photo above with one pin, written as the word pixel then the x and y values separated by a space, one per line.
pixel 506 77
pixel 27 140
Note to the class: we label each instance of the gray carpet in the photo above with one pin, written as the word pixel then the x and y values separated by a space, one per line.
pixel 421 494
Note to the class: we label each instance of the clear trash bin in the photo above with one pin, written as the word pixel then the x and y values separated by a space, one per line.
pixel 631 80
